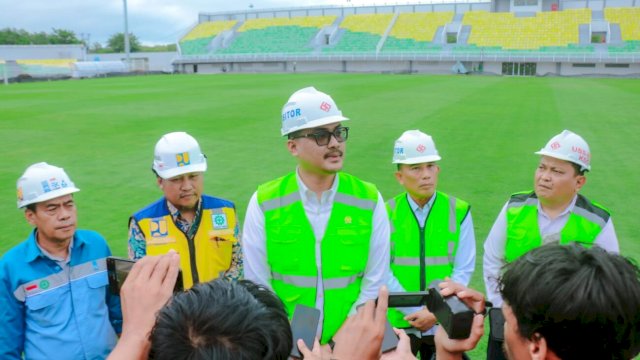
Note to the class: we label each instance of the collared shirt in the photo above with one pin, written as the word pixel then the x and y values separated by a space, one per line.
pixel 138 244
pixel 463 263
pixel 495 245
pixel 317 212
pixel 49 313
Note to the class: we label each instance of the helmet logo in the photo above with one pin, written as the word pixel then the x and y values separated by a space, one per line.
pixel 421 148
pixel 182 159
pixel 556 145
pixel 325 106
pixel 399 151
pixel 20 195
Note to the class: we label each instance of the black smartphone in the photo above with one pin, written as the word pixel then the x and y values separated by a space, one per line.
pixel 390 339
pixel 496 324
pixel 304 325
pixel 408 299
pixel 118 268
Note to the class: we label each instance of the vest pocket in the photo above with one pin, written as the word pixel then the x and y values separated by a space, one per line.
pixel 285 234
pixel 353 235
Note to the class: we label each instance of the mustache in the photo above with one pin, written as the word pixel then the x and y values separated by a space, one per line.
pixel 333 153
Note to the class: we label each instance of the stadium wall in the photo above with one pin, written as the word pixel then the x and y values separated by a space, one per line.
pixel 141 61
pixel 35 52
pixel 543 68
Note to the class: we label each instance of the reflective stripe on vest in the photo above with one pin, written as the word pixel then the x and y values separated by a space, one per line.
pixel 585 222
pixel 344 248
pixel 441 236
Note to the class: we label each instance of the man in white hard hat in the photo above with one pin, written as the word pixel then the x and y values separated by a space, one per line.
pixel 432 236
pixel 54 298
pixel 317 236
pixel 554 212
pixel 203 229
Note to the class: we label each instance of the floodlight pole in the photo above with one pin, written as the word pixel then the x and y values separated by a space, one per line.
pixel 127 49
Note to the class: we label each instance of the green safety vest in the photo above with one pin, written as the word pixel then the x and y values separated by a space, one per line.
pixel 344 248
pixel 432 248
pixel 585 222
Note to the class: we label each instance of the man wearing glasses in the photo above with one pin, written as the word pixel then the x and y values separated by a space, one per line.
pixel 317 236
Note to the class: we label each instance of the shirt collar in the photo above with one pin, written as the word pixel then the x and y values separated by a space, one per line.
pixel 306 193
pixel 33 250
pixel 415 207
pixel 175 213
pixel 567 210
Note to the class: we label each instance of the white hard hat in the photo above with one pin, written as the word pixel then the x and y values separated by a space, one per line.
pixel 414 147
pixel 309 108
pixel 42 182
pixel 178 153
pixel 568 146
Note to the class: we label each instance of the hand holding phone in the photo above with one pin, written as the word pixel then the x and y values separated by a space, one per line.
pixel 119 268
pixel 304 325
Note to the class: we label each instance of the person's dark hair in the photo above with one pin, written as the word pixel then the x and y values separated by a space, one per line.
pixel 577 169
pixel 32 207
pixel 584 302
pixel 223 320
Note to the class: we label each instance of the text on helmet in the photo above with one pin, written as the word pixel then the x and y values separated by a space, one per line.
pixel 291 114
pixel 53 184
pixel 583 155
pixel 398 150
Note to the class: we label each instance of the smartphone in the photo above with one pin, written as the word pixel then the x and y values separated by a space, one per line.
pixel 496 324
pixel 304 325
pixel 408 299
pixel 118 268
pixel 390 339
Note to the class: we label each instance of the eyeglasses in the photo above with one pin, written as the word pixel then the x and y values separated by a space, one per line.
pixel 323 137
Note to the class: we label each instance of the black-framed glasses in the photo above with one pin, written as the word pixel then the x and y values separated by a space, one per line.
pixel 323 137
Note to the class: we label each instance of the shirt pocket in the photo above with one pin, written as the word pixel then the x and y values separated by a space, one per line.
pixel 46 309
pixel 96 292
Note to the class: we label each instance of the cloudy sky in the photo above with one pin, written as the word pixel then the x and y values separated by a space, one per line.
pixel 152 21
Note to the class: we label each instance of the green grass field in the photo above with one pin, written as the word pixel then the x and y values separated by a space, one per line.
pixel 486 129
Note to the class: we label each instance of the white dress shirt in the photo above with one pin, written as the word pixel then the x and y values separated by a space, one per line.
pixel 317 212
pixel 464 261
pixel 495 245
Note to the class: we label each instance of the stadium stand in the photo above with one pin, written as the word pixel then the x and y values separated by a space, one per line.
pixel 629 20
pixel 277 35
pixel 197 40
pixel 416 31
pixel 361 33
pixel 546 31
pixel 46 67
